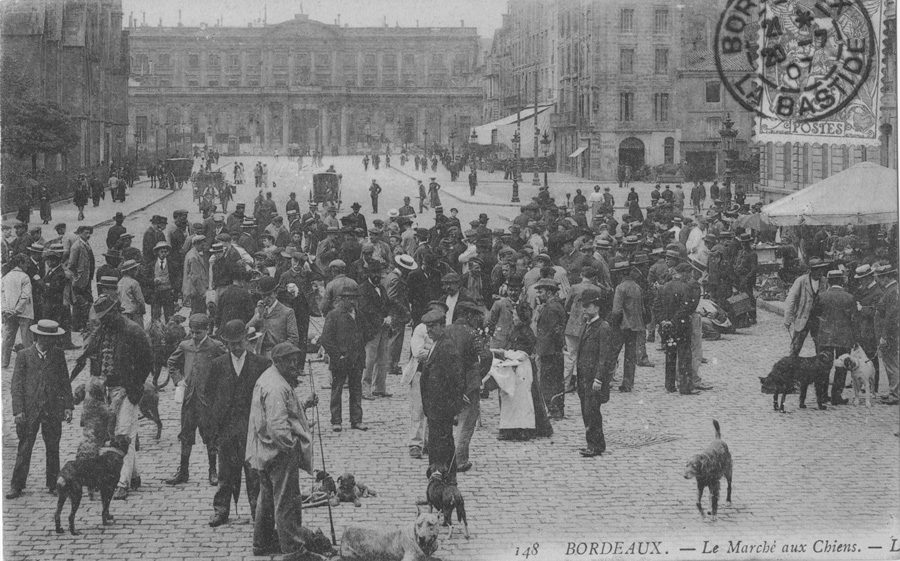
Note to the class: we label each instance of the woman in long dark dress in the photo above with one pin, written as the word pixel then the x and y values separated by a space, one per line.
pixel 46 212
pixel 523 339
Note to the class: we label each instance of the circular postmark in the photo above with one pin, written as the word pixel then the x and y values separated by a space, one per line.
pixel 795 60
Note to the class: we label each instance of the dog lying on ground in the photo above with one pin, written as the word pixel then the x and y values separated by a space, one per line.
pixel 790 372
pixel 708 468
pixel 862 374
pixel 101 472
pixel 324 491
pixel 349 491
pixel 445 496
pixel 413 542
pixel 149 405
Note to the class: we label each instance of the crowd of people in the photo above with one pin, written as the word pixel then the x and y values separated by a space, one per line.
pixel 565 293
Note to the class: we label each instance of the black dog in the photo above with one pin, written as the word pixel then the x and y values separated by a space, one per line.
pixel 793 371
pixel 709 467
pixel 101 473
pixel 445 496
pixel 149 405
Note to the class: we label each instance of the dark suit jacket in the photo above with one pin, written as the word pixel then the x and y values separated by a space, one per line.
pixel 373 308
pixel 342 339
pixel 597 355
pixel 41 385
pixel 835 309
pixel 235 302
pixel 675 302
pixel 132 357
pixel 443 381
pixel 864 320
pixel 231 395
pixel 551 328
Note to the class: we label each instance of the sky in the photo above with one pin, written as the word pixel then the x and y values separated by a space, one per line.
pixel 483 14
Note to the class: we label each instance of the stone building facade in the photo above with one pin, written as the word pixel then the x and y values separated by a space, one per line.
pixel 73 53
pixel 617 73
pixel 301 85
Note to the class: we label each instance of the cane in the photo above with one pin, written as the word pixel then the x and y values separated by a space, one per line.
pixel 318 426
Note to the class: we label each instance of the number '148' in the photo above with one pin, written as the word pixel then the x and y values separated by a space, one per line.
pixel 528 551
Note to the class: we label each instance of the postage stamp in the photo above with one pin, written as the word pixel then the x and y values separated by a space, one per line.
pixel 818 67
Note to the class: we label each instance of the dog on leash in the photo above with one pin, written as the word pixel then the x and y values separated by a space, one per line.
pixel 793 371
pixel 413 542
pixel 445 496
pixel 863 374
pixel 349 491
pixel 708 468
pixel 101 472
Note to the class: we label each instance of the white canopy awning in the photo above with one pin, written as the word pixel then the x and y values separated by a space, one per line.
pixel 502 130
pixel 860 195
pixel 578 152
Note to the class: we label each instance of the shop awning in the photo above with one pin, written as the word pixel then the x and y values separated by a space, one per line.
pixel 578 152
pixel 502 130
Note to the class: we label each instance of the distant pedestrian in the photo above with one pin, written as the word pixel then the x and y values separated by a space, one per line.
pixel 46 210
pixel 374 191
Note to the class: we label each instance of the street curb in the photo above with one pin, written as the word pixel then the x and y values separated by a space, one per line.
pixel 770 306
pixel 460 199
pixel 135 211
pixel 12 214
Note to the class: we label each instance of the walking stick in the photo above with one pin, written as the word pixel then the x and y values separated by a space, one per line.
pixel 318 426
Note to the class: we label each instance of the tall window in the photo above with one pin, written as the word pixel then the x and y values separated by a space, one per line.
pixel 626 106
pixel 194 61
pixel 323 69
pixel 661 65
pixel 845 156
pixel 713 91
pixel 713 124
pixel 787 166
pixel 826 161
pixel 302 68
pixel 349 68
pixel 389 69
pixel 661 20
pixel 770 160
pixel 669 150
pixel 234 59
pixel 370 69
pixel 212 61
pixel 661 106
pixel 626 20
pixel 140 125
pixel 626 61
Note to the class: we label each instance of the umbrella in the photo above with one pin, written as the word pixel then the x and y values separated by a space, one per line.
pixel 756 221
pixel 860 195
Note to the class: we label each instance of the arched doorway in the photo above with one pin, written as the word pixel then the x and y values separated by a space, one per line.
pixel 631 153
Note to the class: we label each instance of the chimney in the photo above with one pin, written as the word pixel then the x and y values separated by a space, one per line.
pixel 417 23
pixel 160 21
pixel 143 18
pixel 462 23
pixel 179 18
pixel 339 20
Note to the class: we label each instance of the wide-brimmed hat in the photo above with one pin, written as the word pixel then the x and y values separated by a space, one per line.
pixel 673 254
pixel 128 265
pixel 451 277
pixel 863 271
pixel 36 248
pixel 885 270
pixel 47 328
pixel 602 243
pixel 591 296
pixel 406 262
pixel 817 263
pixel 119 217
pixel 835 274
pixel 548 284
pixel 233 331
pixel 356 206
pixel 113 254
pixel 283 350
pixel 469 307
pixel 267 285
pixel 620 266
pixel 350 291
pixel 248 223
pixel 103 305
pixel 161 245
pixel 108 282
pixel 217 247
pixel 744 237
pixel 197 238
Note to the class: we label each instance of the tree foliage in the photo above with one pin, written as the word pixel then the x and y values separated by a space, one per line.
pixel 32 127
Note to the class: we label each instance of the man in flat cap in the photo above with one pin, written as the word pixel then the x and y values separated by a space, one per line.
pixel 154 234
pixel 279 445
pixel 189 366
pixel 551 325
pixel 343 338
pixel 595 365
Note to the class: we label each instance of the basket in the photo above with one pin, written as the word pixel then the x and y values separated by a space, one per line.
pixel 740 304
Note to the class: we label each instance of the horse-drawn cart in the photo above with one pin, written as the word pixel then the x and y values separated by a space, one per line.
pixel 177 172
pixel 326 190
pixel 207 185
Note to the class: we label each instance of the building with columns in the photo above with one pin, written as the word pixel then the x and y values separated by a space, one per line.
pixel 301 85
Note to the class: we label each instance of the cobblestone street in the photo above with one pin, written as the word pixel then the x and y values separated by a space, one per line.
pixel 799 477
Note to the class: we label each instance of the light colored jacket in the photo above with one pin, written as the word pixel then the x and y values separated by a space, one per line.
pixel 278 325
pixel 799 302
pixel 196 275
pixel 16 294
pixel 278 424
pixel 419 346
pixel 80 263
pixel 131 297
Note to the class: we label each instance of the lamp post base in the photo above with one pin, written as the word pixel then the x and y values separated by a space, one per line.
pixel 515 192
pixel 536 180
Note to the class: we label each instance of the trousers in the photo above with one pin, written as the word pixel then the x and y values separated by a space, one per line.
pixel 441 448
pixel 418 427
pixel 553 383
pixel 353 377
pixel 590 414
pixel 465 428
pixel 840 373
pixel 51 431
pixel 231 462
pixel 571 356
pixel 888 359
pixel 163 304
pixel 378 360
pixel 629 340
pixel 278 506
pixel 10 328
pixel 126 424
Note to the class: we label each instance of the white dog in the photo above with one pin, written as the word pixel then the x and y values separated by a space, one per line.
pixel 862 373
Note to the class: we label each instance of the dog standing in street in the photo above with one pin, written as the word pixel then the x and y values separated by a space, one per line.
pixel 444 497
pixel 792 371
pixel 101 472
pixel 708 468
pixel 862 373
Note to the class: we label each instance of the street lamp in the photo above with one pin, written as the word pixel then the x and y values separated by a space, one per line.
pixel 137 148
pixel 536 180
pixel 452 138
pixel 474 140
pixel 425 144
pixel 183 128
pixel 516 139
pixel 545 142
pixel 728 134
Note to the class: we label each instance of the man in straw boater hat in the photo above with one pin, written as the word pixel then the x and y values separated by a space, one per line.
pixel 887 326
pixel 162 278
pixel 189 366
pixel 131 296
pixel 343 340
pixel 279 445
pixel 802 298
pixel 41 400
pixel 125 356
pixel 230 389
